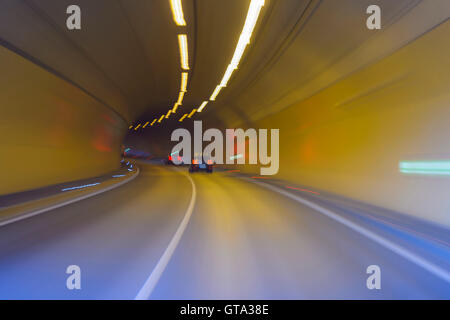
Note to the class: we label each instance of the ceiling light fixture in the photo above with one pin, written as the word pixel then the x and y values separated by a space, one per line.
pixel 184 79
pixel 180 98
pixel 177 12
pixel 192 113
pixel 175 107
pixel 182 41
pixel 244 39
pixel 202 106
pixel 182 118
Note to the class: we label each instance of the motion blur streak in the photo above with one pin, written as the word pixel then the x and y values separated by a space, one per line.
pixel 293 188
pixel 425 167
pixel 80 187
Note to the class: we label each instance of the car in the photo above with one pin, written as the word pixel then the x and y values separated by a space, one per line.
pixel 197 166
pixel 169 160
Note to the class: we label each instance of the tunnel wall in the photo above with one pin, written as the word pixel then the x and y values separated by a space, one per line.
pixel 350 137
pixel 51 131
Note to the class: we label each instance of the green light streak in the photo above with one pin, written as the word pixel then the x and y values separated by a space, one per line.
pixel 425 167
pixel 238 156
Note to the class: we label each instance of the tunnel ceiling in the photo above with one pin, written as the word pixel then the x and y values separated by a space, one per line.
pixel 127 51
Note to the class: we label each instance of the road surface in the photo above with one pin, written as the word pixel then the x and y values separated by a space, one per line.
pixel 241 241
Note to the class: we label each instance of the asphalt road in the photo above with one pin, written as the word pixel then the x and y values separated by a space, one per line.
pixel 241 241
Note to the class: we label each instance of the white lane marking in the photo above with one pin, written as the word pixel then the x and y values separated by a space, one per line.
pixel 58 205
pixel 405 253
pixel 149 285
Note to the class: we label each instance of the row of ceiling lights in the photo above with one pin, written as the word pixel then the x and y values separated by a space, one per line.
pixel 178 18
pixel 244 39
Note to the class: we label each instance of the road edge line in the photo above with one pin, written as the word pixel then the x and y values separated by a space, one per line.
pixel 155 275
pixel 65 203
pixel 405 253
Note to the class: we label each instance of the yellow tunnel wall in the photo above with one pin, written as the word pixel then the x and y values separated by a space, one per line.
pixel 350 137
pixel 50 130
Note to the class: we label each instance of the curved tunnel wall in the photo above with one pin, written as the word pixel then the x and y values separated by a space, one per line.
pixel 50 130
pixel 350 137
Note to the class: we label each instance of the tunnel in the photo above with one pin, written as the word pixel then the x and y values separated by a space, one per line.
pixel 330 172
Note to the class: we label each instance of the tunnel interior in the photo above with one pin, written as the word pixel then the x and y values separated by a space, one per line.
pixel 362 114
